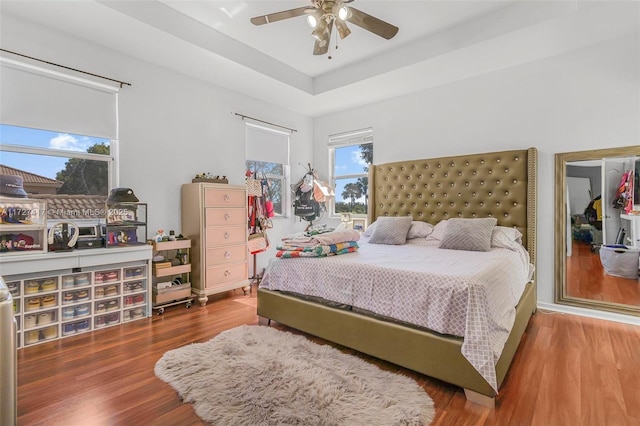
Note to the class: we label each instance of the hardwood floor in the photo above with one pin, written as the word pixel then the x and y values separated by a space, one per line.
pixel 586 279
pixel 568 370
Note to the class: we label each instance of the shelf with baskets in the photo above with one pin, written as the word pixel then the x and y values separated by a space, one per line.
pixel 171 282
pixel 84 291
pixel 126 224
pixel 23 226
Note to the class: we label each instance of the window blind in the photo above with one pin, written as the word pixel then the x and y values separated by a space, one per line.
pixel 40 98
pixel 266 144
pixel 357 137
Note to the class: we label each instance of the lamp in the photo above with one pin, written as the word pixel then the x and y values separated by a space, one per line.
pixel 319 33
pixel 312 21
pixel 343 30
pixel 344 12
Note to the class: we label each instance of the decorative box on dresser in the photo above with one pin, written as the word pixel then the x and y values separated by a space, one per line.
pixel 214 216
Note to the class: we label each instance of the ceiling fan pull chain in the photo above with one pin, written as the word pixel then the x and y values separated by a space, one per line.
pixel 336 36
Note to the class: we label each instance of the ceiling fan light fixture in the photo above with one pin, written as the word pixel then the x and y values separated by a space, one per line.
pixel 344 13
pixel 343 30
pixel 312 21
pixel 319 32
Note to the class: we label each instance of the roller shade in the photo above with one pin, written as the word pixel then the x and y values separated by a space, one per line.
pixel 265 144
pixel 35 97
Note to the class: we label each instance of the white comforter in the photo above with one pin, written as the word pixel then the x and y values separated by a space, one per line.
pixel 467 294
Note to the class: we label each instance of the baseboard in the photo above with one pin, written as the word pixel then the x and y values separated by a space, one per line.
pixel 590 313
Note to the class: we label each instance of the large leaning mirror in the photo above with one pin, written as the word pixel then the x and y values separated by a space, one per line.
pixel 597 195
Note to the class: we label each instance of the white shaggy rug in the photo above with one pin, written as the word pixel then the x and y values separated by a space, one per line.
pixel 256 375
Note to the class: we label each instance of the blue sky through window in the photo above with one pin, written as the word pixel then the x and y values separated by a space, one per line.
pixel 348 161
pixel 42 165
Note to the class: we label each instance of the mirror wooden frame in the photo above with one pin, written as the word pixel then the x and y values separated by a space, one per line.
pixel 561 160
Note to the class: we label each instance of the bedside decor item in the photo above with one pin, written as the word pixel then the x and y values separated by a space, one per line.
pixel 208 177
pixel 319 384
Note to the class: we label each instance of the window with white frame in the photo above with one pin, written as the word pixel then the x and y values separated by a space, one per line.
pixel 350 156
pixel 59 133
pixel 267 156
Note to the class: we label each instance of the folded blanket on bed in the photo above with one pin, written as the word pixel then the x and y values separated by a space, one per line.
pixel 301 240
pixel 288 251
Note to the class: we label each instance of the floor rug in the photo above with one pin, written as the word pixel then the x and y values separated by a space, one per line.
pixel 257 375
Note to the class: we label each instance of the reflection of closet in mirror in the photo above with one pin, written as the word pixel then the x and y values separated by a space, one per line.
pixel 591 178
pixel 594 184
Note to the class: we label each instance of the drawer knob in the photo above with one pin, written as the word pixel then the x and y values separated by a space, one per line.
pixel 227 235
pixel 227 216
pixel 227 273
pixel 227 255
pixel 226 197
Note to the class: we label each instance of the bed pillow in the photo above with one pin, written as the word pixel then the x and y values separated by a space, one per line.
pixel 369 231
pixel 391 230
pixel 419 229
pixel 503 236
pixel 438 231
pixel 469 234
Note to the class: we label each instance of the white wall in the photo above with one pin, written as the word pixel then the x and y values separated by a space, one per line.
pixel 171 126
pixel 581 100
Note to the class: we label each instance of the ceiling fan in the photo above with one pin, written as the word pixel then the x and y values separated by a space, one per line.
pixel 322 15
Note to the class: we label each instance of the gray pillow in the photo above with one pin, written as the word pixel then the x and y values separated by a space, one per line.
pixel 419 230
pixel 468 234
pixel 391 230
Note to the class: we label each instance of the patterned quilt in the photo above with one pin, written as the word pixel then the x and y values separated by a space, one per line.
pixel 289 251
pixel 467 294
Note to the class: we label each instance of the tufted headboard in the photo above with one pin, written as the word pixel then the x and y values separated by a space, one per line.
pixel 498 184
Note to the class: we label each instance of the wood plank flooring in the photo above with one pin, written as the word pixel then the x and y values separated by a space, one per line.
pixel 568 370
pixel 586 279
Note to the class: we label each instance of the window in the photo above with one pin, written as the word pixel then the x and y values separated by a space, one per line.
pixel 71 172
pixel 45 117
pixel 351 154
pixel 267 155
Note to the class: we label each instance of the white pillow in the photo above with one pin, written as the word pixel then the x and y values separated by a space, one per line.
pixel 419 229
pixel 391 230
pixel 503 236
pixel 468 234
pixel 369 231
pixel 438 231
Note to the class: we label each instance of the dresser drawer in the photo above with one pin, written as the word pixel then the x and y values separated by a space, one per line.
pixel 229 254
pixel 226 273
pixel 217 197
pixel 217 236
pixel 225 217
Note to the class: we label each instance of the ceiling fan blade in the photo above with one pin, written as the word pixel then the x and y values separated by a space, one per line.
pixel 279 16
pixel 322 46
pixel 373 24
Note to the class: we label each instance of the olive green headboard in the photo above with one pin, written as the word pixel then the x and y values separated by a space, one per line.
pixel 498 184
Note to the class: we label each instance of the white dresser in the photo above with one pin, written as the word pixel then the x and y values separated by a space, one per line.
pixel 214 217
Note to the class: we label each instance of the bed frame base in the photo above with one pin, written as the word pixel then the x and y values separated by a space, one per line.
pixel 264 321
pixel 426 352
pixel 478 398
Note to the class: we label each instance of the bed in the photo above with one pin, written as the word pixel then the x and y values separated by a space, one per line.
pixel 499 185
